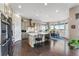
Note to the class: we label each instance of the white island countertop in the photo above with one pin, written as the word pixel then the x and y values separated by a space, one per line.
pixel 36 33
pixel 33 35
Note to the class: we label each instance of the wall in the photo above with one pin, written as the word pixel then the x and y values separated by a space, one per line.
pixel 8 10
pixel 73 33
pixel 16 27
pixel 24 25
pixel 16 22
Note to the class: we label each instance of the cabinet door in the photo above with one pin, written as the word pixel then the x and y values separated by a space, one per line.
pixel 4 49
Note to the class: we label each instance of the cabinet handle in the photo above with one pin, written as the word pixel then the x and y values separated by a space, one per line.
pixel 5 43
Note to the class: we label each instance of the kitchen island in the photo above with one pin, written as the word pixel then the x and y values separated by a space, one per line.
pixel 33 36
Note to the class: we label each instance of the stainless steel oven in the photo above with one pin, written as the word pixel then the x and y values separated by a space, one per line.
pixel 4 29
pixel 4 35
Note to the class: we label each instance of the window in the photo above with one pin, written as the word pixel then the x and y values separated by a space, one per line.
pixel 51 26
pixel 43 28
pixel 56 26
pixel 62 29
pixel 59 26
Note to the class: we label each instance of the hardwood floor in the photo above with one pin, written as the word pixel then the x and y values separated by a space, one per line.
pixel 22 48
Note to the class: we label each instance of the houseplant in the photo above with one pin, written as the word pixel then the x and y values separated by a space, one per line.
pixel 73 43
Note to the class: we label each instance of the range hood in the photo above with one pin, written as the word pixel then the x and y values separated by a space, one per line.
pixel 31 24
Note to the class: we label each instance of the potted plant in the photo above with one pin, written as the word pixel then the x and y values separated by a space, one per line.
pixel 73 43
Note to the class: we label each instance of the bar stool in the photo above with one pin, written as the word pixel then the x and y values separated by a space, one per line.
pixel 38 41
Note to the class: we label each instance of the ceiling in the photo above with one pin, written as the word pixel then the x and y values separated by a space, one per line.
pixel 44 12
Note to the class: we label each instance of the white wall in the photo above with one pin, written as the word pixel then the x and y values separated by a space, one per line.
pixel 16 28
pixel 73 33
pixel 24 27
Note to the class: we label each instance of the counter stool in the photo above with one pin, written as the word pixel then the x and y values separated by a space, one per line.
pixel 38 41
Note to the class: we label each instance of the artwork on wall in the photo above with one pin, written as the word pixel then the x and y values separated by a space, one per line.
pixel 73 26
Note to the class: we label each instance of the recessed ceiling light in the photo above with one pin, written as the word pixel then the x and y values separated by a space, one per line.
pixel 57 11
pixel 19 6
